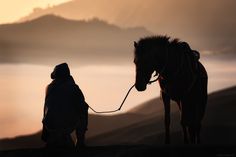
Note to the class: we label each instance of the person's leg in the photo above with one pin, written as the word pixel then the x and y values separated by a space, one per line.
pixel 67 141
pixel 60 140
pixel 80 139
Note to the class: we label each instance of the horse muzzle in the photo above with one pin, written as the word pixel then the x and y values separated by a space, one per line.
pixel 140 88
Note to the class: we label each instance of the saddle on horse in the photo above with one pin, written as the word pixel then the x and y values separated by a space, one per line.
pixel 195 55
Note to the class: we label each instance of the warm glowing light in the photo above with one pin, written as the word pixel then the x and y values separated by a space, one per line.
pixel 13 10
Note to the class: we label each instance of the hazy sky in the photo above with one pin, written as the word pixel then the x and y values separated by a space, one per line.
pixel 13 10
pixel 206 24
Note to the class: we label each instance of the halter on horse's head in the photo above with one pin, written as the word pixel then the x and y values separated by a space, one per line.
pixel 147 60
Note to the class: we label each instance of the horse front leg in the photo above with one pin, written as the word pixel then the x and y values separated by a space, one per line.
pixel 184 127
pixel 166 101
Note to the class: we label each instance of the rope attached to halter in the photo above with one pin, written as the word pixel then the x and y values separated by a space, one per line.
pixel 150 82
pixel 112 111
pixel 127 94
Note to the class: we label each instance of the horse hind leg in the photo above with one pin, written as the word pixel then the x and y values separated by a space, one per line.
pixel 192 134
pixel 166 101
pixel 198 130
pixel 188 132
pixel 185 134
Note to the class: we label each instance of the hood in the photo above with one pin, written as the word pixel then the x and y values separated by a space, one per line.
pixel 60 71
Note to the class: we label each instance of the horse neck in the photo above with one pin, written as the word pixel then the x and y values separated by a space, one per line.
pixel 170 63
pixel 159 58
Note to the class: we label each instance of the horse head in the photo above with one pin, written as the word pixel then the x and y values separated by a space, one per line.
pixel 145 66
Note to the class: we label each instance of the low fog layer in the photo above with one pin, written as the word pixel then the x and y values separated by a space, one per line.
pixel 23 90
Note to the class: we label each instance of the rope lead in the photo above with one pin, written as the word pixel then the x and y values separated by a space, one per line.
pixel 112 111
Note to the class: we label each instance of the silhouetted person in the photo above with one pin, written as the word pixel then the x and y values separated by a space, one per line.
pixel 65 110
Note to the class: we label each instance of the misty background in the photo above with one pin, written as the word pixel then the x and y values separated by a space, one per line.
pixel 95 37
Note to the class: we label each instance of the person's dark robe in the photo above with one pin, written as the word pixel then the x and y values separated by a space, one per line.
pixel 65 108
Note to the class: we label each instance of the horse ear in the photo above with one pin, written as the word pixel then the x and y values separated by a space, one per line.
pixel 135 44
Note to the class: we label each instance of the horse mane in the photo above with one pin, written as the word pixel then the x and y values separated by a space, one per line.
pixel 161 40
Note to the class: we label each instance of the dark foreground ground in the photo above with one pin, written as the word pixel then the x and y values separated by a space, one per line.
pixel 128 151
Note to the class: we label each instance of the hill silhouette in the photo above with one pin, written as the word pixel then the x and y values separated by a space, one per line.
pixel 50 39
pixel 219 125
pixel 208 26
pixel 147 127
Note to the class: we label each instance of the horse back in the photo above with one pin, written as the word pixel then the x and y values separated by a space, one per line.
pixel 202 71
pixel 184 83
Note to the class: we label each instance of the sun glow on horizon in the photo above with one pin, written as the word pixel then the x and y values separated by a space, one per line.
pixel 11 11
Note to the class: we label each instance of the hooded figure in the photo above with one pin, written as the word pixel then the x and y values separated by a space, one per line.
pixel 65 110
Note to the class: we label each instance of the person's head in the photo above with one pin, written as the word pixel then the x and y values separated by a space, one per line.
pixel 60 71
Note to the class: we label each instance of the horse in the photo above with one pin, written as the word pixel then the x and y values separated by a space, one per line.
pixel 182 79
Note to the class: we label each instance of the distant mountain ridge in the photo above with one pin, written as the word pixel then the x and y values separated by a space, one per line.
pixel 49 39
pixel 208 26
